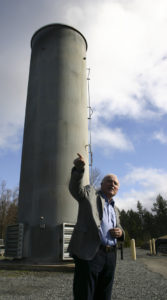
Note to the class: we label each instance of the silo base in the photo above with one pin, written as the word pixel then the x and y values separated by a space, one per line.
pixel 36 244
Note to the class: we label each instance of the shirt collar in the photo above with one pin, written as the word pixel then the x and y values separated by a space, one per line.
pixel 112 202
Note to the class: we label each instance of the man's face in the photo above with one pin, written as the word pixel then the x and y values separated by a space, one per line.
pixel 110 185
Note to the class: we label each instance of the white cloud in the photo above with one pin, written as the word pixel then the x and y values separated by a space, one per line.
pixel 126 54
pixel 143 185
pixel 147 177
pixel 13 87
pixel 10 137
pixel 107 138
pixel 160 136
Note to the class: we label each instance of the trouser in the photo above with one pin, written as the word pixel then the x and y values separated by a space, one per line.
pixel 93 279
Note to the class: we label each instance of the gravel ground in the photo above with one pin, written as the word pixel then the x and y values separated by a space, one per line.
pixel 132 281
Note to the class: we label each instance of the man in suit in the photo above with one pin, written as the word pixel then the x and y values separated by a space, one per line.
pixel 94 239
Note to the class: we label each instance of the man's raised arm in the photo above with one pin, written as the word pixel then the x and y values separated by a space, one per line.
pixel 75 186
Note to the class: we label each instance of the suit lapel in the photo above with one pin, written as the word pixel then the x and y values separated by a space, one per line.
pixel 117 215
pixel 97 208
pixel 100 205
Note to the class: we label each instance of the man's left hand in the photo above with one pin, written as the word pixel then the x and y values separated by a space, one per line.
pixel 116 232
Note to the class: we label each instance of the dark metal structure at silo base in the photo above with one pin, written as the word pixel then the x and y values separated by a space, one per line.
pixel 55 130
pixel 38 245
pixel 44 244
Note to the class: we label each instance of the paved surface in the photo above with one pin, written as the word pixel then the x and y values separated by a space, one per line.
pixel 133 280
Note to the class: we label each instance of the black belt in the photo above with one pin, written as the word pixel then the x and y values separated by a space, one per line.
pixel 107 248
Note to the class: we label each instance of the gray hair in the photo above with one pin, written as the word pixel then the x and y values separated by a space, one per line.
pixel 110 175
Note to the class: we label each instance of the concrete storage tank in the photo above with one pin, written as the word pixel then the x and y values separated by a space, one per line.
pixel 55 130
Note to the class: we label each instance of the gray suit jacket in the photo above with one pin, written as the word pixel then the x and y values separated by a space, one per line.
pixel 85 240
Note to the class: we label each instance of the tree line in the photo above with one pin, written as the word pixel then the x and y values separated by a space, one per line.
pixel 143 225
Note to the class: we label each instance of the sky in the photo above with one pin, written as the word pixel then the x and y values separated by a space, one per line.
pixel 127 57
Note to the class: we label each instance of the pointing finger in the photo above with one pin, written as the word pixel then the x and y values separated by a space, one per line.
pixel 80 156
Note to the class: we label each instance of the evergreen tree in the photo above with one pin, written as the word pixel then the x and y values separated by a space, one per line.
pixel 160 210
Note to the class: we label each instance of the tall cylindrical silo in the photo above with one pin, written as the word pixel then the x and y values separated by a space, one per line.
pixel 55 130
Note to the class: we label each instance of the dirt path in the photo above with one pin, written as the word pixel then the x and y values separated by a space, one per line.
pixel 156 264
